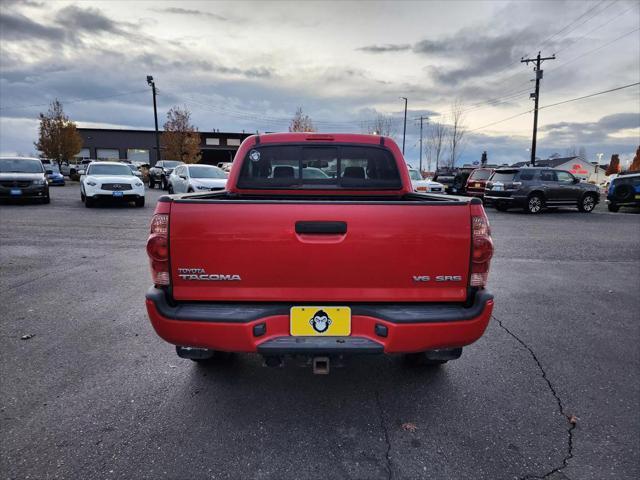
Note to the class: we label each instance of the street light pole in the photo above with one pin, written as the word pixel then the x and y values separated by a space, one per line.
pixel 404 130
pixel 155 114
pixel 420 167
pixel 421 120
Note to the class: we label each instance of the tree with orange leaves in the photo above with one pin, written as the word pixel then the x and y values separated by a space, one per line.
pixel 635 165
pixel 614 165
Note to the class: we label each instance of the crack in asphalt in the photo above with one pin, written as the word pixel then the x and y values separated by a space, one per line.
pixel 561 408
pixel 383 426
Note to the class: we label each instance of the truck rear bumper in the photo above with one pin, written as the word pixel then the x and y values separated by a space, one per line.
pixel 264 327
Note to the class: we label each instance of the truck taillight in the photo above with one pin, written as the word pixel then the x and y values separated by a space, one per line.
pixel 481 246
pixel 158 249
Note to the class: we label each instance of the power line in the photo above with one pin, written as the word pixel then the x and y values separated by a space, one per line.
pixel 501 121
pixel 596 28
pixel 267 119
pixel 555 104
pixel 595 49
pixel 66 102
pixel 591 95
pixel 595 14
pixel 497 101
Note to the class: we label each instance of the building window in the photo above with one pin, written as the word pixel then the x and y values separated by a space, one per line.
pixel 82 154
pixel 138 155
pixel 233 142
pixel 107 154
pixel 212 141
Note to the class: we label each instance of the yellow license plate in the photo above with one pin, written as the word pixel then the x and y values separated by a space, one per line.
pixel 310 321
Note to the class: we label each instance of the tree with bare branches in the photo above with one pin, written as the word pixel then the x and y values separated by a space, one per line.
pixel 456 131
pixel 436 144
pixel 180 139
pixel 301 122
pixel 381 125
pixel 58 138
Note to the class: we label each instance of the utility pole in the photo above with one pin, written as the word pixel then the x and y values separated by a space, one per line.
pixel 155 114
pixel 404 130
pixel 536 96
pixel 421 119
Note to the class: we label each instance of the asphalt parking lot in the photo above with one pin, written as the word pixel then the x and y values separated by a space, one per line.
pixel 96 394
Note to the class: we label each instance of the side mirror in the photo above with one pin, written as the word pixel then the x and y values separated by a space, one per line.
pixel 48 172
pixel 184 177
pixel 576 180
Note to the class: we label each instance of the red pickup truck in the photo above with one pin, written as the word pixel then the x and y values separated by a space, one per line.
pixel 319 248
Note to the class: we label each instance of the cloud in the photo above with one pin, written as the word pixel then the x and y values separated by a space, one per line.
pixel 478 55
pixel 17 27
pixel 600 132
pixel 89 19
pixel 24 3
pixel 387 47
pixel 193 12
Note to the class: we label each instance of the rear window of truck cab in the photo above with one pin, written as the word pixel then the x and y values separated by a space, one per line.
pixel 319 166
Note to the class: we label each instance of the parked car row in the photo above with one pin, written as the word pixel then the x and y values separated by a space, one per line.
pixel 534 189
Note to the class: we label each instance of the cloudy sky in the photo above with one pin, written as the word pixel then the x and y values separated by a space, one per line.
pixel 248 66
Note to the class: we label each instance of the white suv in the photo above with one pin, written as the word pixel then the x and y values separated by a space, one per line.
pixel 110 181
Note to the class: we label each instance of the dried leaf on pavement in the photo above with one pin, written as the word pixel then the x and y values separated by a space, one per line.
pixel 409 427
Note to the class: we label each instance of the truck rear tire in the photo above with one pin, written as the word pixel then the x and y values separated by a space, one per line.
pixel 151 183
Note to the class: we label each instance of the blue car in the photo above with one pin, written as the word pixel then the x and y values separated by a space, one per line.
pixel 624 191
pixel 54 177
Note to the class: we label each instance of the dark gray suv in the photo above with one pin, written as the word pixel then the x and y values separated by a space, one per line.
pixel 536 188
